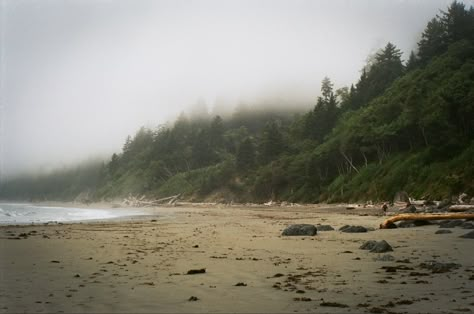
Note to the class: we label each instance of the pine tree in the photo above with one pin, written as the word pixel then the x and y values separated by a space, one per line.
pixel 271 142
pixel 457 23
pixel 245 157
pixel 412 62
pixel 388 62
pixel 433 41
pixel 216 132
pixel 326 88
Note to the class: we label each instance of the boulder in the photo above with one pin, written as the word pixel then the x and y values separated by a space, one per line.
pixel 467 225
pixel 300 230
pixel 353 229
pixel 376 246
pixel 469 235
pixel 368 245
pixel 324 227
pixel 381 247
pixel 450 223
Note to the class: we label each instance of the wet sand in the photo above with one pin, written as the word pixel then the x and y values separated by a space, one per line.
pixel 140 265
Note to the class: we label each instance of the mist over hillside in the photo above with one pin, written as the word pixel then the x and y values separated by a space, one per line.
pixel 404 123
pixel 79 76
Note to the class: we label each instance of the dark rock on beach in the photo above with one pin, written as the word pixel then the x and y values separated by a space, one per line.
pixel 450 223
pixel 469 235
pixel 419 223
pixel 352 229
pixel 304 299
pixel 467 225
pixel 443 231
pixel 381 247
pixel 324 227
pixel 438 267
pixel 300 230
pixel 376 246
pixel 368 245
pixel 406 224
pixel 196 271
pixel 412 223
pixel 333 304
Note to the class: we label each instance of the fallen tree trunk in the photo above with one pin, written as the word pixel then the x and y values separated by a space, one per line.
pixel 389 223
pixel 460 208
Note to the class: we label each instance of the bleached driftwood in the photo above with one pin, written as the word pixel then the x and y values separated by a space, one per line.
pixel 460 208
pixel 389 222
pixel 142 202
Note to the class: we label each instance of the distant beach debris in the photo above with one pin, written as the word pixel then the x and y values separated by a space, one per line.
pixel 300 230
pixel 142 201
pixel 438 267
pixel 353 229
pixel 196 271
pixel 384 258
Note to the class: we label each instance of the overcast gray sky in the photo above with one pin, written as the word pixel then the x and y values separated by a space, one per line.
pixel 79 76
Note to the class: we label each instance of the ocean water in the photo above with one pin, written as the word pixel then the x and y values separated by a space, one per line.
pixel 12 213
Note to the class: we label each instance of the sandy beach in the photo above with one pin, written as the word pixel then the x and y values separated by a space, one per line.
pixel 140 265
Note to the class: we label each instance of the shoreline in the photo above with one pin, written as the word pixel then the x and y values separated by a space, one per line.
pixel 144 213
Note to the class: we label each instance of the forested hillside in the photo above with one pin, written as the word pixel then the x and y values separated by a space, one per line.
pixel 402 126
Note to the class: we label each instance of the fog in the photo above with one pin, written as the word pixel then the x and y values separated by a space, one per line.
pixel 78 76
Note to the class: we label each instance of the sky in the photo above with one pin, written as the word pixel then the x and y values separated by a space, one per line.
pixel 78 76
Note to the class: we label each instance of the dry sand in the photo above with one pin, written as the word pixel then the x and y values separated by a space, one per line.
pixel 140 265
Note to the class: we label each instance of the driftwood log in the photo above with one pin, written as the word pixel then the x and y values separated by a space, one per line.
pixel 390 222
pixel 142 202
pixel 460 208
